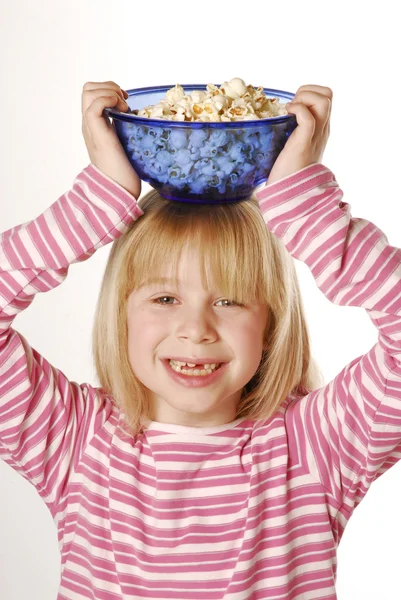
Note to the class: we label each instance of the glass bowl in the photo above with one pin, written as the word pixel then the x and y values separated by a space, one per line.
pixel 200 162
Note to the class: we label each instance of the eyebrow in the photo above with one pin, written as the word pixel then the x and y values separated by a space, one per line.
pixel 156 281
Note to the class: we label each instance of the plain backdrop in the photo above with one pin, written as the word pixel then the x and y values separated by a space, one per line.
pixel 49 49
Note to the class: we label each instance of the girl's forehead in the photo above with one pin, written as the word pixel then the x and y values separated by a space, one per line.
pixel 187 264
pixel 191 279
pixel 199 268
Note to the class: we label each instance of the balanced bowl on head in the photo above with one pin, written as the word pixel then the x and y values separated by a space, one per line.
pixel 204 143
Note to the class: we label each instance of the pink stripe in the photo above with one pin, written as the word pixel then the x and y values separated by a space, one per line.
pixel 256 510
pixel 293 186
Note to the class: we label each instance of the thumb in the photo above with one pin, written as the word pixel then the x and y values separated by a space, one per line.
pixel 97 120
pixel 306 123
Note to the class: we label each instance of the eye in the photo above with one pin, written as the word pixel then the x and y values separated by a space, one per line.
pixel 232 302
pixel 160 301
pixel 156 300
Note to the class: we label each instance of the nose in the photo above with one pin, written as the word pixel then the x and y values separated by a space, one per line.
pixel 196 324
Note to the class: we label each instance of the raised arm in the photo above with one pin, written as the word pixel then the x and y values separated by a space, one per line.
pixel 347 433
pixel 46 420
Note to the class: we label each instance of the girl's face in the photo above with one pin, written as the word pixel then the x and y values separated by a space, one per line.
pixel 191 322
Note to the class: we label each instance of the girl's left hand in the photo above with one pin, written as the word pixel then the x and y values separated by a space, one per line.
pixel 312 107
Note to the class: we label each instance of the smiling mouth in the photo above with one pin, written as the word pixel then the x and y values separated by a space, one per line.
pixel 196 370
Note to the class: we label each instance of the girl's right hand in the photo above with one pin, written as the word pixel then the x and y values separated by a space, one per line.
pixel 305 146
pixel 104 148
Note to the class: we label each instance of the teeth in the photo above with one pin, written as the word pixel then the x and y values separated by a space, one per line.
pixel 180 368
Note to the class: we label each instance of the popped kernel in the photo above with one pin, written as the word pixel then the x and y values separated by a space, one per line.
pixel 233 101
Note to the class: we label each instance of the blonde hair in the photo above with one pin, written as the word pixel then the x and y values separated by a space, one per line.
pixel 237 250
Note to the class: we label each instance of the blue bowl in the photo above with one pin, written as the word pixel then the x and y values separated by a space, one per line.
pixel 200 162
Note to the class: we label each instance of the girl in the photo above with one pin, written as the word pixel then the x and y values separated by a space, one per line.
pixel 232 477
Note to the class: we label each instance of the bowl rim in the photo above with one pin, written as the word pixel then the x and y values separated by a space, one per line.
pixel 128 117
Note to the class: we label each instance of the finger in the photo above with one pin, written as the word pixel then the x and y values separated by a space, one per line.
pixel 90 85
pixel 104 85
pixel 319 89
pixel 319 106
pixel 94 117
pixel 89 96
pixel 91 92
pixel 326 130
pixel 306 122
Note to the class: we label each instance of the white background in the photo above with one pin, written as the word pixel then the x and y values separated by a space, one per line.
pixel 49 49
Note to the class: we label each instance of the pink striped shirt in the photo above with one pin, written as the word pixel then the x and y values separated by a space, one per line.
pixel 246 510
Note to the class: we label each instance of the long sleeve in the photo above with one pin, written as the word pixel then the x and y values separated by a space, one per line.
pixel 45 419
pixel 347 433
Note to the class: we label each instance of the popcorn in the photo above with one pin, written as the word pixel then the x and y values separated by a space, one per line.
pixel 175 94
pixel 233 101
pixel 234 88
pixel 207 161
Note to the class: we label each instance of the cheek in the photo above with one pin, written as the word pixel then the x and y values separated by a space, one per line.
pixel 249 344
pixel 140 343
pixel 250 336
pixel 144 331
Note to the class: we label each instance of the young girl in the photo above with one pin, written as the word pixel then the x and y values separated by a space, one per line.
pixel 234 478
